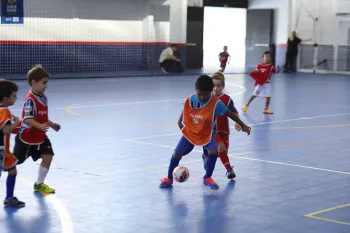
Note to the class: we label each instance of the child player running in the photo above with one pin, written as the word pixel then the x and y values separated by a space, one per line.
pixel 264 69
pixel 224 58
pixel 223 127
pixel 199 116
pixel 31 139
pixel 8 123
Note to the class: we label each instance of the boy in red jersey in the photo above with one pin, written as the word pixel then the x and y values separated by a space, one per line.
pixel 8 123
pixel 265 70
pixel 222 125
pixel 224 59
pixel 31 139
pixel 197 124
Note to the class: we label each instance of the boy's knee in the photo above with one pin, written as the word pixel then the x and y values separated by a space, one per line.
pixel 176 156
pixel 47 158
pixel 222 147
pixel 13 171
pixel 212 152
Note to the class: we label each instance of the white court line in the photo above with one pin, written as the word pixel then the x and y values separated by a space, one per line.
pixel 252 159
pixel 152 136
pixel 127 103
pixel 136 102
pixel 262 123
pixel 302 118
pixel 152 101
pixel 66 221
pixel 111 104
pixel 65 218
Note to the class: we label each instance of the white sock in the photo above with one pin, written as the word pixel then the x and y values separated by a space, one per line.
pixel 42 175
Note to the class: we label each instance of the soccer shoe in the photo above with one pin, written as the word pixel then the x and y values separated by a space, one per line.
pixel 43 188
pixel 211 183
pixel 14 202
pixel 230 174
pixel 268 111
pixel 165 182
pixel 245 108
pixel 204 161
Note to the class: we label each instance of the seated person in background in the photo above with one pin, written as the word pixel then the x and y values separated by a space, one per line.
pixel 168 62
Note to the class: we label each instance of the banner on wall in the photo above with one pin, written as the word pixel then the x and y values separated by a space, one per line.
pixel 11 11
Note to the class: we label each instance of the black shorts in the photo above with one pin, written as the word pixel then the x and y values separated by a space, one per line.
pixel 22 150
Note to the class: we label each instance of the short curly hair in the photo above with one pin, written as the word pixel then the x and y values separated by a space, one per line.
pixel 219 76
pixel 37 73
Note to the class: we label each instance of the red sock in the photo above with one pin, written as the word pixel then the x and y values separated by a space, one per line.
pixel 225 160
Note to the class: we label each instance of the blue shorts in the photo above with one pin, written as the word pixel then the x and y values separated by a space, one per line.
pixel 184 147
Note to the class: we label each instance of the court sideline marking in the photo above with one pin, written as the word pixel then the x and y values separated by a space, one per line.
pixel 312 215
pixel 265 123
pixel 240 155
pixel 61 209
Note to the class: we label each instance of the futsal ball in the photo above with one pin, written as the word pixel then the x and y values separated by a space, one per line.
pixel 181 174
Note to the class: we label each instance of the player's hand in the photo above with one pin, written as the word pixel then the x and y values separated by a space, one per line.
pixel 15 120
pixel 45 126
pixel 238 127
pixel 55 127
pixel 246 129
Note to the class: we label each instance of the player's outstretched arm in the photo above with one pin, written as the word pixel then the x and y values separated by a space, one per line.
pixel 54 126
pixel 235 118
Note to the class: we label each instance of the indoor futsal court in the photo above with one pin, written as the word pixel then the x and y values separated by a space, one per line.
pixel 119 73
pixel 116 141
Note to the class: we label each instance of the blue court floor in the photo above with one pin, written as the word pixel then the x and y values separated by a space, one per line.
pixel 293 172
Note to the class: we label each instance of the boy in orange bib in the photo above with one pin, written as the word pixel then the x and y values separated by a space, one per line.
pixel 197 123
pixel 8 96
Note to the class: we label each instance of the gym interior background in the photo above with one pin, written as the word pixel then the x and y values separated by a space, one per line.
pixel 115 36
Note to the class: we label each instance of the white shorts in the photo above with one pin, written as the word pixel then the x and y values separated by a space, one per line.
pixel 263 90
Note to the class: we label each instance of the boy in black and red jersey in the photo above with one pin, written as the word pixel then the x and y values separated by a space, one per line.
pixel 31 139
pixel 222 125
pixel 224 58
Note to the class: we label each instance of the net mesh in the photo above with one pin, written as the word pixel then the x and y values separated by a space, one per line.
pixel 84 36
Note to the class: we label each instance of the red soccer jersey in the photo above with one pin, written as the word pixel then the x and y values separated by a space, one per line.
pixel 35 107
pixel 262 74
pixel 222 121
pixel 224 55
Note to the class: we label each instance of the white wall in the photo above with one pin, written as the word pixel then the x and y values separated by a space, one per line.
pixel 343 37
pixel 91 20
pixel 217 34
pixel 281 21
pixel 326 27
